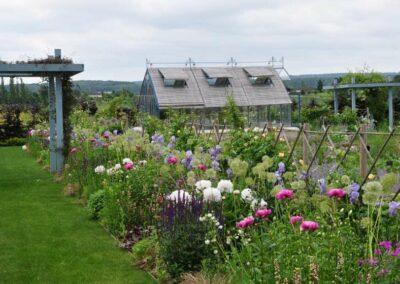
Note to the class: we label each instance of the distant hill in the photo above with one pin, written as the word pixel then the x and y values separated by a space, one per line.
pixel 91 87
pixel 308 81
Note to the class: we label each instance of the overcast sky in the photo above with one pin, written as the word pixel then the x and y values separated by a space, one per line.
pixel 114 38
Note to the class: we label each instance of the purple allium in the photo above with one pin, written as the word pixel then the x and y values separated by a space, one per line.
pixel 157 139
pixel 393 208
pixel 396 252
pixel 386 244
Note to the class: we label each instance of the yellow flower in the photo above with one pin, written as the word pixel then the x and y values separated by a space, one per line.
pixel 282 139
pixel 371 176
pixel 301 162
pixel 281 155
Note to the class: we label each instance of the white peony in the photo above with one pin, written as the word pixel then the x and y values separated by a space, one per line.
pixel 263 204
pixel 212 194
pixel 127 161
pixel 247 195
pixel 203 184
pixel 179 195
pixel 110 171
pixel 225 186
pixel 99 169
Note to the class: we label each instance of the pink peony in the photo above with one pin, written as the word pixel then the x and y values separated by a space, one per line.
pixel 172 160
pixel 336 192
pixel 128 166
pixel 284 193
pixel 295 219
pixel 202 167
pixel 309 226
pixel 73 150
pixel 262 213
pixel 245 222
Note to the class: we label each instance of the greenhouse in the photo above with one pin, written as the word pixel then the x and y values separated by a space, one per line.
pixel 257 90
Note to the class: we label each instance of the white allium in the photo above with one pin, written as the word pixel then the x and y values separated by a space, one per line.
pixel 203 184
pixel 247 195
pixel 127 161
pixel 99 169
pixel 117 167
pixel 212 194
pixel 179 195
pixel 225 186
pixel 24 147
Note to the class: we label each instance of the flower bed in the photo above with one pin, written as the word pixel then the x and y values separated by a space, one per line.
pixel 237 211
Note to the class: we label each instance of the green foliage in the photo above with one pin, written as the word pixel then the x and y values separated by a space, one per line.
pixel 96 204
pixel 13 141
pixel 232 114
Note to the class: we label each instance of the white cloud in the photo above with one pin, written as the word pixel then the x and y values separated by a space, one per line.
pixel 114 38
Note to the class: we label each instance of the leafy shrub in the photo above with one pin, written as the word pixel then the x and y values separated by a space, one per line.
pixel 96 204
pixel 14 141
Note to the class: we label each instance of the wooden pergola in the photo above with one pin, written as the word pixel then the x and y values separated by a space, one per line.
pixel 353 86
pixel 54 72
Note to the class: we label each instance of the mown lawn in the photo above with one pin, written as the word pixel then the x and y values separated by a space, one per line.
pixel 48 238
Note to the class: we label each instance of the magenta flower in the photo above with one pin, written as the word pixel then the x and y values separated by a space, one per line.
pixel 73 150
pixel 386 244
pixel 128 166
pixel 295 219
pixel 262 213
pixel 383 272
pixel 172 160
pixel 336 192
pixel 202 167
pixel 245 222
pixel 284 193
pixel 396 252
pixel 309 226
pixel 378 252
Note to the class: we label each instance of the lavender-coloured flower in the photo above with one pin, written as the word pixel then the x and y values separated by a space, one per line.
pixel 393 208
pixel 115 132
pixel 229 173
pixel 354 192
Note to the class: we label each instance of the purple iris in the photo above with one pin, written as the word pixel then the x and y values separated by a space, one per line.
pixel 393 208
pixel 157 139
pixel 188 160
pixel 279 173
pixel 354 192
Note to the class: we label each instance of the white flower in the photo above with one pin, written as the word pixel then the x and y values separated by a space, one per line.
pixel 247 195
pixel 225 186
pixel 215 251
pixel 179 195
pixel 263 203
pixel 203 184
pixel 127 161
pixel 99 169
pixel 117 167
pixel 212 194
pixel 207 242
pixel 220 227
pixel 110 171
pixel 143 162
pixel 24 147
pixel 236 192
pixel 138 129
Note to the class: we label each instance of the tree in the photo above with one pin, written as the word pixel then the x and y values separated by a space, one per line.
pixel 320 85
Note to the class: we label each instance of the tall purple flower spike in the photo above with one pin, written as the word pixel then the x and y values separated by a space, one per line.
pixel 322 185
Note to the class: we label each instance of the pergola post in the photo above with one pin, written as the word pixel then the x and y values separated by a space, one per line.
pixel 390 103
pixel 335 102
pixel 59 119
pixel 52 122
pixel 353 95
